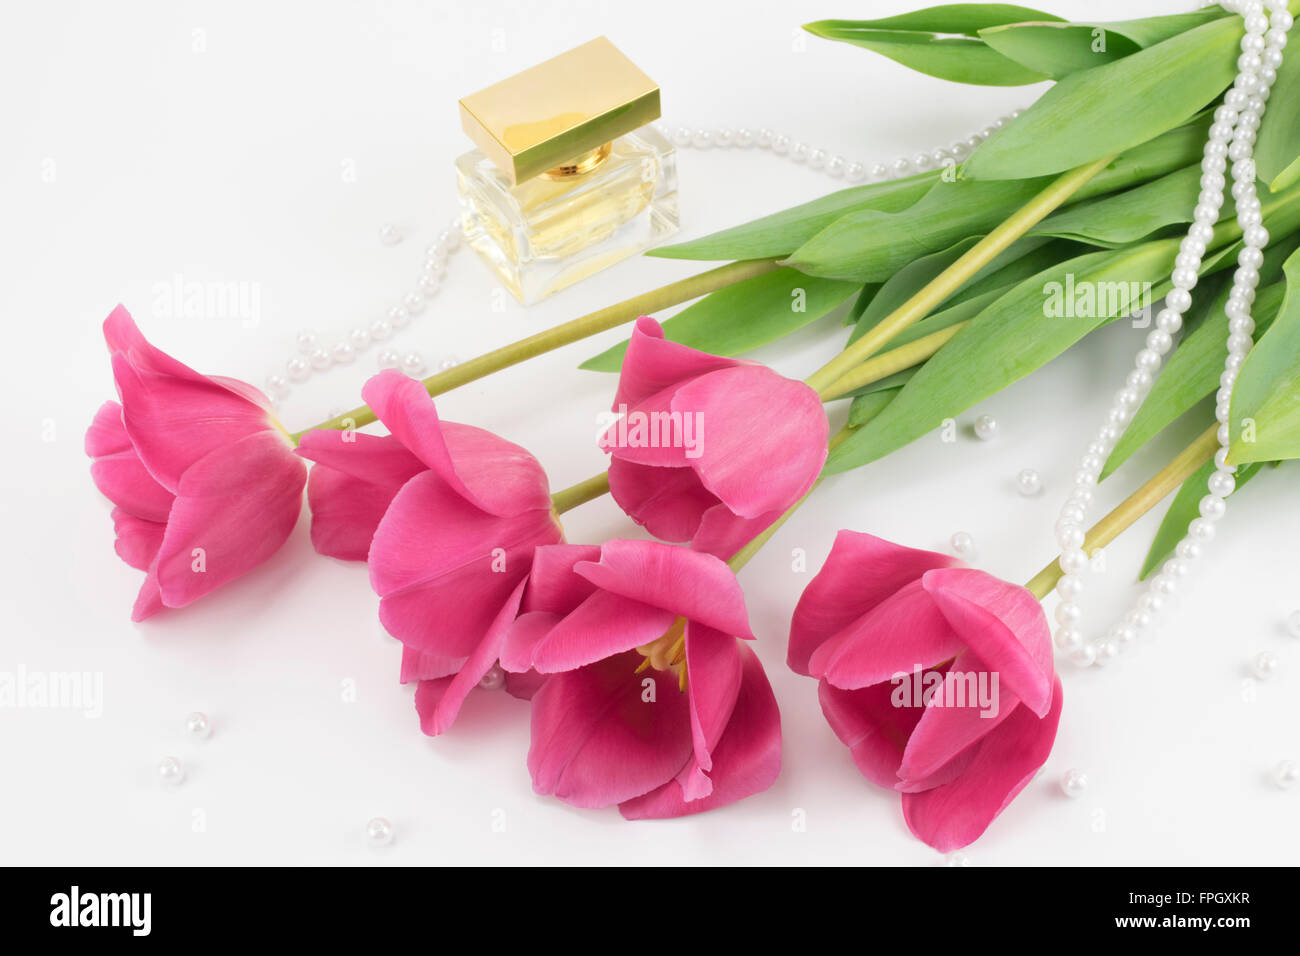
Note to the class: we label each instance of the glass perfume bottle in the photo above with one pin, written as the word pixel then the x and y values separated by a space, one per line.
pixel 569 176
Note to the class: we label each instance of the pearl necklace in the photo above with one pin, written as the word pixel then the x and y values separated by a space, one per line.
pixel 1231 137
pixel 313 356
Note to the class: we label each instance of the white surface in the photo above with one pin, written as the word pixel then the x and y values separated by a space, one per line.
pixel 225 165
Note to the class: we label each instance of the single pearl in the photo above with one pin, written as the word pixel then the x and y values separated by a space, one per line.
pixel 306 341
pixel 1074 782
pixel 744 138
pixel 380 329
pixel 1029 482
pixel 765 138
pixel 1084 656
pixel 836 166
pixel 855 173
pixel 1293 624
pixel 398 316
pixel 494 679
pixel 799 152
pixel 962 543
pixel 817 159
pixel 879 171
pixel 298 369
pixel 1286 773
pixel 389 234
pixel 1264 665
pixel 956 858
pixel 986 427
pixel 681 136
pixel 379 832
pixel 724 137
pixel 781 144
pixel 412 364
pixel 388 358
pixel 170 771
pixel 320 359
pixel 277 386
pixel 360 339
pixel 343 353
pixel 1107 651
pixel 1068 639
pixel 701 139
pixel 197 725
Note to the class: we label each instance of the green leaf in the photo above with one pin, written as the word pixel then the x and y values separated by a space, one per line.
pixel 860 303
pixel 1266 398
pixel 871 245
pixel 1277 151
pixel 744 316
pixel 906 282
pixel 941 41
pixel 1059 49
pixel 868 406
pixel 1113 107
pixel 1134 214
pixel 959 59
pixel 1184 509
pixel 1008 340
pixel 781 233
pixel 1193 369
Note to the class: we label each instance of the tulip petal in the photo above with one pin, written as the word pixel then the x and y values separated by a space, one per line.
pixel 860 572
pixel 436 720
pixel 667 502
pixel 954 718
pixel 149 601
pixel 652 364
pixel 138 540
pixel 234 509
pixel 173 422
pixel 432 563
pixel 746 760
pixel 423 666
pixel 1004 624
pixel 954 815
pixel 760 437
pixel 696 586
pixel 522 638
pixel 867 722
pixel 552 584
pixel 524 686
pixel 722 533
pixel 106 434
pixel 901 633
pixel 123 479
pixel 603 625
pixel 599 738
pixel 714 667
pixel 350 487
pixel 122 335
pixel 495 475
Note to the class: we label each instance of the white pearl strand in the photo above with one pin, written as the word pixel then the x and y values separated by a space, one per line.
pixel 314 357
pixel 1231 137
pixel 833 165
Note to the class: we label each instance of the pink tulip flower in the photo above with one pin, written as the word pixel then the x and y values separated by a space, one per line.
pixel 938 678
pixel 707 449
pixel 650 700
pixel 448 517
pixel 204 480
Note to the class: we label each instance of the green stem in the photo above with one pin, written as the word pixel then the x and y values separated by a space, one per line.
pixel 569 498
pixel 957 274
pixel 574 330
pixel 1182 467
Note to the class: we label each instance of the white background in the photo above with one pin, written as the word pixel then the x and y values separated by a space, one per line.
pixel 208 140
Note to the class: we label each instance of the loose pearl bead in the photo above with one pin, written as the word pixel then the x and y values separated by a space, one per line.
pixel 1293 624
pixel 197 725
pixel 277 386
pixel 170 771
pixel 389 234
pixel 1264 665
pixel 956 858
pixel 388 358
pixel 494 679
pixel 986 427
pixel 306 342
pixel 412 364
pixel 298 369
pixel 1029 482
pixel 1074 782
pixel 379 832
pixel 962 543
pixel 1286 774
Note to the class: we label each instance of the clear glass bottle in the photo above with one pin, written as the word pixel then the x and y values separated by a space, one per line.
pixel 569 176
pixel 554 229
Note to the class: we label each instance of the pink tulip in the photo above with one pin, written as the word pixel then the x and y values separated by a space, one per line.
pixel 203 478
pixel 880 622
pixel 448 516
pixel 708 449
pixel 620 629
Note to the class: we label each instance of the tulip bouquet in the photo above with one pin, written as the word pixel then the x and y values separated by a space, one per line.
pixel 634 652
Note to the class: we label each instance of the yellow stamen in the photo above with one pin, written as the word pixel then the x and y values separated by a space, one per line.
pixel 661 650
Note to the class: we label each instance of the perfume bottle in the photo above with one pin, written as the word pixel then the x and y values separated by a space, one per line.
pixel 569 176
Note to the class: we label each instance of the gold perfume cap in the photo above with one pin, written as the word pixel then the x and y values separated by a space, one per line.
pixel 554 112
